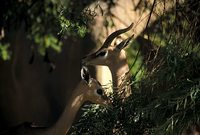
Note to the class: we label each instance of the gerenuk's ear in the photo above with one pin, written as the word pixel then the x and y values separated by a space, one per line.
pixel 124 43
pixel 85 74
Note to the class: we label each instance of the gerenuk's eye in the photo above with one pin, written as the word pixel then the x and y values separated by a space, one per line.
pixel 100 91
pixel 103 53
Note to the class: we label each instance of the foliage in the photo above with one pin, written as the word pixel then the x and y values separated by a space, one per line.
pixel 45 21
pixel 176 83
pixel 4 53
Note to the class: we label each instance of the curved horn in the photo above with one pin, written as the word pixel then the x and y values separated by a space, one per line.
pixel 112 36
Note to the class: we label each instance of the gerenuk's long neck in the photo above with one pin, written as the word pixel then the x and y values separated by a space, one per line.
pixel 62 126
pixel 64 123
pixel 119 69
pixel 118 72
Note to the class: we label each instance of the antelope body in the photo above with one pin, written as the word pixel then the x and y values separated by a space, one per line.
pixel 88 89
pixel 115 58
